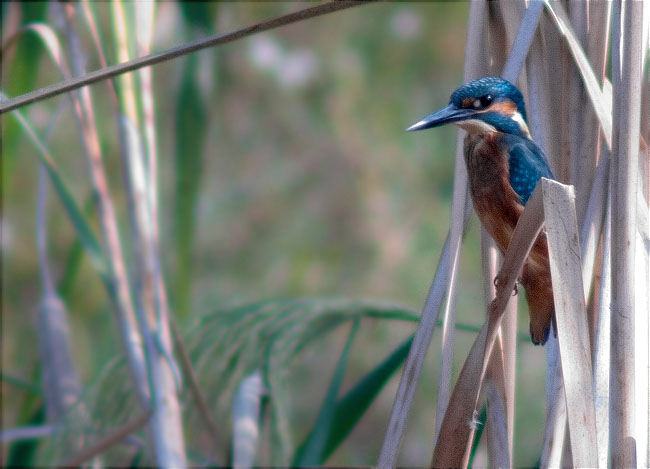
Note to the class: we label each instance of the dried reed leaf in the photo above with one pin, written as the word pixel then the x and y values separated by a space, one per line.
pixel 561 20
pixel 454 441
pixel 524 37
pixel 552 102
pixel 496 423
pixel 555 425
pixel 50 41
pixel 507 344
pixel 473 68
pixel 571 319
pixel 417 353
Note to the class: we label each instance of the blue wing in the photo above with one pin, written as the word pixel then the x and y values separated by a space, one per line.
pixel 527 163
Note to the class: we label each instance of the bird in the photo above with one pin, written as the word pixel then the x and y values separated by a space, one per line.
pixel 504 165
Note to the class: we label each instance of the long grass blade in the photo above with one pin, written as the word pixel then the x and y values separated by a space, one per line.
pixel 20 70
pixel 191 125
pixel 78 220
pixel 351 407
pixel 311 454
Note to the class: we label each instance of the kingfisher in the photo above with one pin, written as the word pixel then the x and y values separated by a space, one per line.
pixel 504 165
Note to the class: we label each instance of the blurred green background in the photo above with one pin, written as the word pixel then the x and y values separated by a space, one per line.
pixel 284 171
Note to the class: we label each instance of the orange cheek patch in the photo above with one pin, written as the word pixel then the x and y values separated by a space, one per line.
pixel 467 102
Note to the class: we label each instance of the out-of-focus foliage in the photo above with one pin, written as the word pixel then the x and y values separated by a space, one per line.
pixel 285 171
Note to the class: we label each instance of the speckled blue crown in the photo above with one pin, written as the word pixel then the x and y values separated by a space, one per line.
pixel 497 87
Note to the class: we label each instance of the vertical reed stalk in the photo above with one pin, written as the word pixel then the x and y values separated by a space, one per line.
pixel 626 78
pixel 166 423
pixel 118 283
pixel 61 384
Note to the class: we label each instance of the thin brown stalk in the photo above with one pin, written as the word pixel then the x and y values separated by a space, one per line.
pixel 193 383
pixel 108 441
pixel 626 74
pixel 174 52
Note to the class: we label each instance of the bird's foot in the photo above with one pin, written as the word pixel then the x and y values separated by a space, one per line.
pixel 515 289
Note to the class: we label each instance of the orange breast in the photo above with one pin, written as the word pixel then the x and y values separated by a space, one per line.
pixel 498 208
pixel 496 203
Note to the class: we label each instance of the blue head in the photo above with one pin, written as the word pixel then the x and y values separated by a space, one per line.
pixel 489 104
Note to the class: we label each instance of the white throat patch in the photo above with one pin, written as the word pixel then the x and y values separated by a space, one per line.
pixel 475 126
pixel 516 116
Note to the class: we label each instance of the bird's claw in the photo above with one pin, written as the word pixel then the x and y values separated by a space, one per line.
pixel 515 290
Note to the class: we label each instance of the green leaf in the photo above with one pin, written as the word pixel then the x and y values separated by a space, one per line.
pixel 312 451
pixel 22 453
pixel 351 407
pixel 74 258
pixel 77 218
pixel 354 404
pixel 19 76
pixel 190 135
pixel 201 14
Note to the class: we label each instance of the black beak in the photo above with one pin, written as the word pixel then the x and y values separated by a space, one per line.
pixel 446 115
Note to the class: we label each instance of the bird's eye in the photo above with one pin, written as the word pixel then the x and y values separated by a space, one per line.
pixel 485 100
